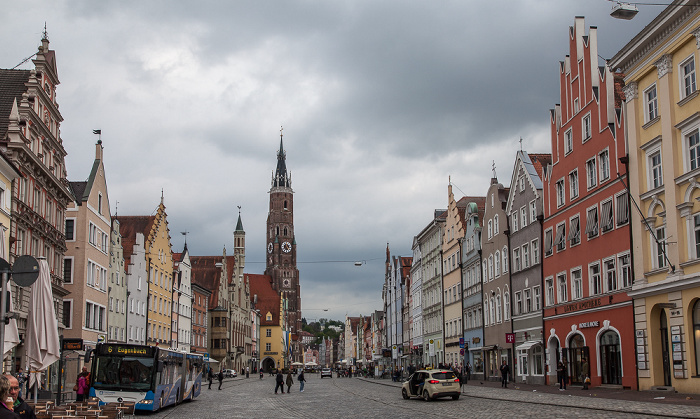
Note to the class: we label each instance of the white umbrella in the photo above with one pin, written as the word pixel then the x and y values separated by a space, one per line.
pixel 11 332
pixel 43 346
pixel 311 364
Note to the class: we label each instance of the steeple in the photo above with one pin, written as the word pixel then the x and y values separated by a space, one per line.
pixel 280 177
pixel 239 225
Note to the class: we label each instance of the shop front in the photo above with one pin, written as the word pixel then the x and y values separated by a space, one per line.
pixel 594 343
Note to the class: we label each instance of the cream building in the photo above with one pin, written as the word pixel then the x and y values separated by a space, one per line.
pixel 663 125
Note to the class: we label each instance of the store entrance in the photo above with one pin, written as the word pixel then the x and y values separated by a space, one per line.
pixel 574 357
pixel 665 353
pixel 610 359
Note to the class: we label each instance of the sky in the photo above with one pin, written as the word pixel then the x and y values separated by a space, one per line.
pixel 382 103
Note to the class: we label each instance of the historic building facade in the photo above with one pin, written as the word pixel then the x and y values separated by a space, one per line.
pixel 661 109
pixel 525 212
pixel 587 261
pixel 472 314
pixel 495 272
pixel 268 302
pixel 182 300
pixel 88 225
pixel 118 291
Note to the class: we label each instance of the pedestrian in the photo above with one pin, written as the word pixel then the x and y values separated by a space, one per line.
pixel 505 370
pixel 469 372
pixel 561 376
pixel 585 369
pixel 6 411
pixel 210 377
pixel 83 387
pixel 301 379
pixel 221 378
pixel 247 372
pixel 279 382
pixel 290 381
pixel 18 405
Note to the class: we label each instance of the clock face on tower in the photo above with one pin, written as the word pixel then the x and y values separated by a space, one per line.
pixel 286 282
pixel 269 248
pixel 286 247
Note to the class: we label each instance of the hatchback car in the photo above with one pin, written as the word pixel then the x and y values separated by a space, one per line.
pixel 431 384
pixel 326 372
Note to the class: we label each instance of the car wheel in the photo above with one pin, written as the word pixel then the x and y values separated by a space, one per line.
pixel 426 396
pixel 404 394
pixel 455 397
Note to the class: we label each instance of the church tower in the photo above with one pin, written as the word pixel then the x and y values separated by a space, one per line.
pixel 281 244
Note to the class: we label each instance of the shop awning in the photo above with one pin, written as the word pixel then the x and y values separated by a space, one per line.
pixel 527 345
pixel 476 349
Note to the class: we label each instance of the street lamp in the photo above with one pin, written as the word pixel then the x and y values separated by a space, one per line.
pixel 626 11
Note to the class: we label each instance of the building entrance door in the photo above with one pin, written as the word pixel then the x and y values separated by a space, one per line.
pixel 610 359
pixel 575 354
pixel 665 355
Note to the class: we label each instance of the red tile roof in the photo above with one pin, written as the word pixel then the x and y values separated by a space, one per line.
pixel 267 298
pixel 128 227
pixel 207 275
pixel 540 161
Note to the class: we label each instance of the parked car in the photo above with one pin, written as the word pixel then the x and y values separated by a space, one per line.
pixel 230 373
pixel 431 384
pixel 326 372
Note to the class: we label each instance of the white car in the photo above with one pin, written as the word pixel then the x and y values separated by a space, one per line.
pixel 326 372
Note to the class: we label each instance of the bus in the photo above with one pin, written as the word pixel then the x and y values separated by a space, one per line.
pixel 149 376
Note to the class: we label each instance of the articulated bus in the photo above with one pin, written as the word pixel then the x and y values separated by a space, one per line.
pixel 149 376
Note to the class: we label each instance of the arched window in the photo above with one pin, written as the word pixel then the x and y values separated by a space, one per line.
pixel 696 334
pixel 506 306
pixel 498 308
pixel 285 232
pixel 492 315
pixel 490 266
pixel 497 263
pixel 504 254
pixel 285 204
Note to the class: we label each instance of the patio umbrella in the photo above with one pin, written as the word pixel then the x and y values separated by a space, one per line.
pixel 11 336
pixel 43 346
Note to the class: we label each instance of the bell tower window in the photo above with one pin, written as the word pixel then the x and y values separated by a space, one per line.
pixel 285 204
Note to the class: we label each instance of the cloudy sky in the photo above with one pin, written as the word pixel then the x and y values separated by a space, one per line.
pixel 381 103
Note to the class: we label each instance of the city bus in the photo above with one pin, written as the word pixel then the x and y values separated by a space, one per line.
pixel 149 376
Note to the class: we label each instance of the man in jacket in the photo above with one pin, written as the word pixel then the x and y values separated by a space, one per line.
pixel 19 406
pixel 221 378
pixel 505 370
pixel 279 380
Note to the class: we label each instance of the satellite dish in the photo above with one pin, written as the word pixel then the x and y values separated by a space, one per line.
pixel 25 271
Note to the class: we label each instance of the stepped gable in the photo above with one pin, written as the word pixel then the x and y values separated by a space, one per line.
pixel 267 298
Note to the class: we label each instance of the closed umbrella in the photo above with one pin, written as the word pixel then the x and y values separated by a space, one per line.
pixel 11 336
pixel 43 346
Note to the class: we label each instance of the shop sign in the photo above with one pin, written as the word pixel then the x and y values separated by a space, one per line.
pixel 677 356
pixel 639 333
pixel 585 325
pixel 583 305
pixel 642 365
pixel 675 338
pixel 476 340
pixel 641 357
pixel 510 337
pixel 675 330
pixel 676 347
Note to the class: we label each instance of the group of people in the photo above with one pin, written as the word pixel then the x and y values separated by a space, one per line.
pixel 280 381
pixel 562 374
pixel 219 376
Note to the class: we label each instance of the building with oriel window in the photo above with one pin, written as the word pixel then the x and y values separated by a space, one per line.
pixel 587 262
pixel 472 307
pixel 661 108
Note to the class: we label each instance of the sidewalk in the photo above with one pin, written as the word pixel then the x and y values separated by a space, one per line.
pixel 602 398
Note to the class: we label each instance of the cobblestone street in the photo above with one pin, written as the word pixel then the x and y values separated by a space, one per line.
pixel 354 397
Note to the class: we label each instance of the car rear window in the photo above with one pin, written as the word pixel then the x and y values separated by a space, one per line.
pixel 443 375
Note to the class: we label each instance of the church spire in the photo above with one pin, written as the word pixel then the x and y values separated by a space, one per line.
pixel 280 177
pixel 239 225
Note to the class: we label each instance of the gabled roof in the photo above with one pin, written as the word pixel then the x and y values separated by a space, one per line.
pixel 207 274
pixel 12 86
pixel 78 189
pixel 129 225
pixel 267 298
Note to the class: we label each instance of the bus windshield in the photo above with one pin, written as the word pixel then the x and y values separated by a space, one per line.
pixel 123 373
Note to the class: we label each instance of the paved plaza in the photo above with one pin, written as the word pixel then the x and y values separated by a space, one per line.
pixel 367 398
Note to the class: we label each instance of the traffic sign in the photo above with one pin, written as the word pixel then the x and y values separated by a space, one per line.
pixel 461 343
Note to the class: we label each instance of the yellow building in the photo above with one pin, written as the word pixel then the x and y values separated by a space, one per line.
pixel 265 300
pixel 664 170
pixel 8 173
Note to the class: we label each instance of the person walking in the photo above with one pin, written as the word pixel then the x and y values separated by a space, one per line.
pixel 82 391
pixel 210 377
pixel 561 376
pixel 220 377
pixel 290 381
pixel 279 382
pixel 505 370
pixel 301 379
pixel 585 370
pixel 247 372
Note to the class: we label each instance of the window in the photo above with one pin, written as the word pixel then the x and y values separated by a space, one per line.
pixel 574 230
pixel 70 229
pixel 656 175
pixel 694 149
pixel 561 237
pixel 68 269
pixel 650 103
pixel 606 216
pixel 516 259
pixel 576 284
pixel 498 308
pixel 549 289
pixel 504 254
pixel 573 184
pixel 591 173
pixel 696 333
pixel 514 218
pixel 490 267
pixel 535 244
pixel 518 303
pixel 268 346
pixel 533 211
pixel 268 333
pixel 604 165
pixel 592 222
pixel 548 242
pixel 523 217
pixel 586 127
pixel 659 247
pixel 688 77
pixel 521 183
pixel 696 231
pixel 527 300
pixel 560 192
pixel 496 226
pixel 522 363
pixel 622 205
pixel 610 275
pixel 561 287
pixel 490 229
pixel 497 263
pixel 526 255
pixel 625 270
pixel 596 286
pixel 68 314
pixel 568 142
pixel 536 298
